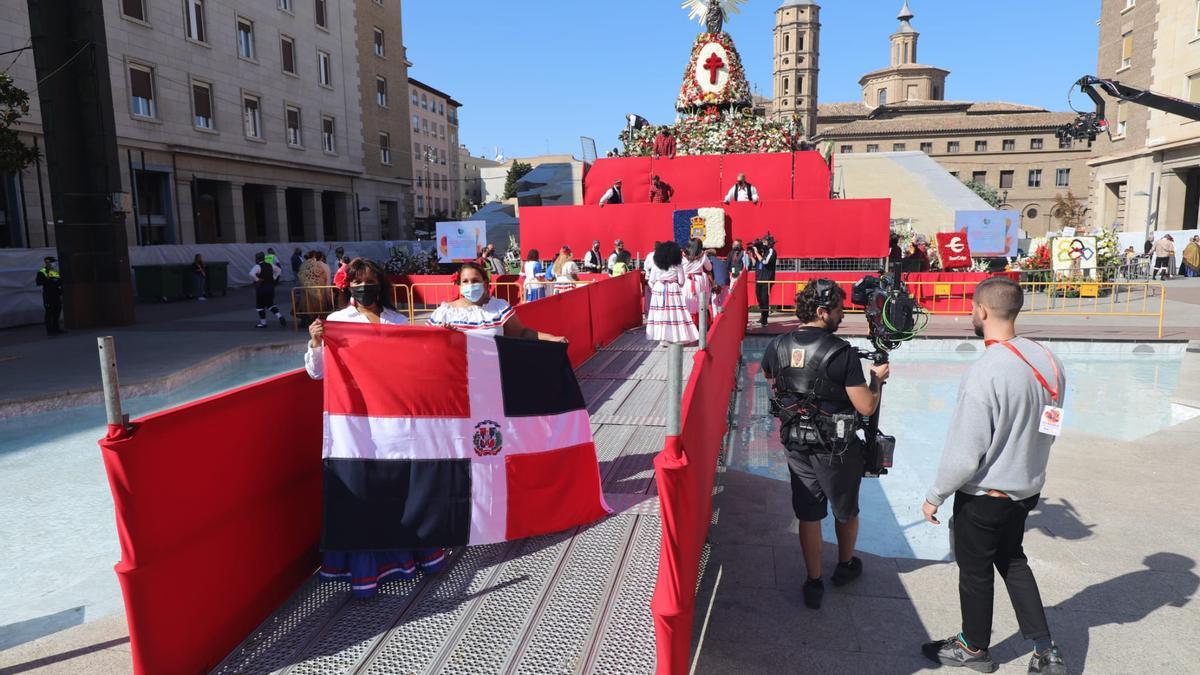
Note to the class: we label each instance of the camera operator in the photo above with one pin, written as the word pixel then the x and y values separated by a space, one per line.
pixel 818 385
pixel 762 257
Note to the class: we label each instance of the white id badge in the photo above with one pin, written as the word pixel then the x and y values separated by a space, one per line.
pixel 1052 419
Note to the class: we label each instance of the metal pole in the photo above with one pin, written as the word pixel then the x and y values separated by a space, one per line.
pixel 704 319
pixel 1149 205
pixel 108 376
pixel 674 387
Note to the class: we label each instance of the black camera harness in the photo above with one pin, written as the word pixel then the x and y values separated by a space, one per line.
pixel 800 415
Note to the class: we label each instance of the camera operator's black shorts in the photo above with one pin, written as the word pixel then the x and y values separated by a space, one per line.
pixel 819 479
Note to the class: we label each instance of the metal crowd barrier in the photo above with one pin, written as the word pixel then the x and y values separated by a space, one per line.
pixel 1078 297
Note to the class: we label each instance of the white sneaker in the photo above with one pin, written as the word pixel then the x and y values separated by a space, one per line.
pixel 202 298
pixel 261 324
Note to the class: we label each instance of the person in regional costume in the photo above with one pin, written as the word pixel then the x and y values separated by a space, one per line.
pixel 697 269
pixel 535 277
pixel 668 320
pixel 476 311
pixel 370 302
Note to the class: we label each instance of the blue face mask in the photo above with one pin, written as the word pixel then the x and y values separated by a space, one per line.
pixel 472 292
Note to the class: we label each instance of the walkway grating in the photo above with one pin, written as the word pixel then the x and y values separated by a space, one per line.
pixel 569 602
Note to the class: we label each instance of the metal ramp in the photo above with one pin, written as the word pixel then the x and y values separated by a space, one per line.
pixel 570 602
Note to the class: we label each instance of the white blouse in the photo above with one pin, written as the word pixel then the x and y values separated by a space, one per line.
pixel 314 358
pixel 488 319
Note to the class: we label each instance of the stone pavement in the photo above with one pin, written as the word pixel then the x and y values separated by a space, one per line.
pixel 169 340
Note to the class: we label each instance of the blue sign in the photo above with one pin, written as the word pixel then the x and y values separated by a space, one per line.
pixel 990 234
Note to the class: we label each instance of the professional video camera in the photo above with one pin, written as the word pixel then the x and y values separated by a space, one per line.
pixel 893 317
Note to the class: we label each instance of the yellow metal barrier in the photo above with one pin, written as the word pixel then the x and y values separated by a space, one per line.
pixel 1145 299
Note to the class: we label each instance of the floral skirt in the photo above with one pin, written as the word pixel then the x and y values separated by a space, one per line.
pixel 367 569
pixel 669 320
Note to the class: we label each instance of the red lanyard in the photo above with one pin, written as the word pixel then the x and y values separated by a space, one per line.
pixel 1041 380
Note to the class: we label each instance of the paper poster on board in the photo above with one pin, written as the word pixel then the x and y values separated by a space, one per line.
pixel 991 234
pixel 461 240
pixel 1073 253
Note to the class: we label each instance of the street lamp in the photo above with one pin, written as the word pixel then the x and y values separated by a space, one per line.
pixel 1149 203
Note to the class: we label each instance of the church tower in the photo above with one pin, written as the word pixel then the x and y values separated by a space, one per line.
pixel 905 79
pixel 797 50
pixel 904 40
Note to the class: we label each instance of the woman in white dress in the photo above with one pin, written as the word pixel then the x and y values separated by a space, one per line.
pixel 370 302
pixel 535 277
pixel 668 320
pixel 566 272
pixel 475 311
pixel 697 269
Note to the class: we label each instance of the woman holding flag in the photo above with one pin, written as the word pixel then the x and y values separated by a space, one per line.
pixel 370 302
pixel 476 311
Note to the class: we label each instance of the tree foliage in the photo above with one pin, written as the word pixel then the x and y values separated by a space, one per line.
pixel 985 192
pixel 1068 210
pixel 14 104
pixel 515 173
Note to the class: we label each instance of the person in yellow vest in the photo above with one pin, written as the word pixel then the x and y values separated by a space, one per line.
pixel 51 282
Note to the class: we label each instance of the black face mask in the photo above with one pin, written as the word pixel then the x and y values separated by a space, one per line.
pixel 366 295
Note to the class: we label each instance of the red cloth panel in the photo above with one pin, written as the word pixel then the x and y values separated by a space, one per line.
pixel 567 314
pixel 696 180
pixel 811 176
pixel 434 357
pixel 634 173
pixel 788 284
pixel 770 173
pixel 684 473
pixel 616 306
pixel 844 228
pixel 540 501
pixel 218 523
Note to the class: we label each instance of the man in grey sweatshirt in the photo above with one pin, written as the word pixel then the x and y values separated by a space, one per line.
pixel 1008 414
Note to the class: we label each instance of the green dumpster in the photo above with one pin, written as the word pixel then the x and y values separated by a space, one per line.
pixel 161 282
pixel 217 276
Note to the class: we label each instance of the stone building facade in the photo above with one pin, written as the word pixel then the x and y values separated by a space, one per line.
pixel 1007 146
pixel 1147 175
pixel 385 195
pixel 797 48
pixel 435 165
pixel 234 123
pixel 274 121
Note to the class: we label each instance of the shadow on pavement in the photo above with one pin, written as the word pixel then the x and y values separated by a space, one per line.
pixel 750 610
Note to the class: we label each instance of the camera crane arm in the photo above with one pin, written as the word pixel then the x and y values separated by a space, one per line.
pixel 1089 125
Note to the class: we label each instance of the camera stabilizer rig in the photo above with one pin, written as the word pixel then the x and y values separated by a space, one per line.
pixel 893 318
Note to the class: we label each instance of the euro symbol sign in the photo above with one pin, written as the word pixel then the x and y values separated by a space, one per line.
pixel 955 245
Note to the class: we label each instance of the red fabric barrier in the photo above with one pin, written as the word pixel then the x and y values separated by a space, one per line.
pixel 616 306
pixel 218 523
pixel 684 473
pixel 567 314
pixel 803 229
pixel 770 174
pixel 811 176
pixel 694 179
pixel 634 173
pixel 939 292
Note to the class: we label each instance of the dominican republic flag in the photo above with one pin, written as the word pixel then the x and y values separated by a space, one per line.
pixel 438 438
pixel 707 225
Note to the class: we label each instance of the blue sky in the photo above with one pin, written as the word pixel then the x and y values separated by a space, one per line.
pixel 535 76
